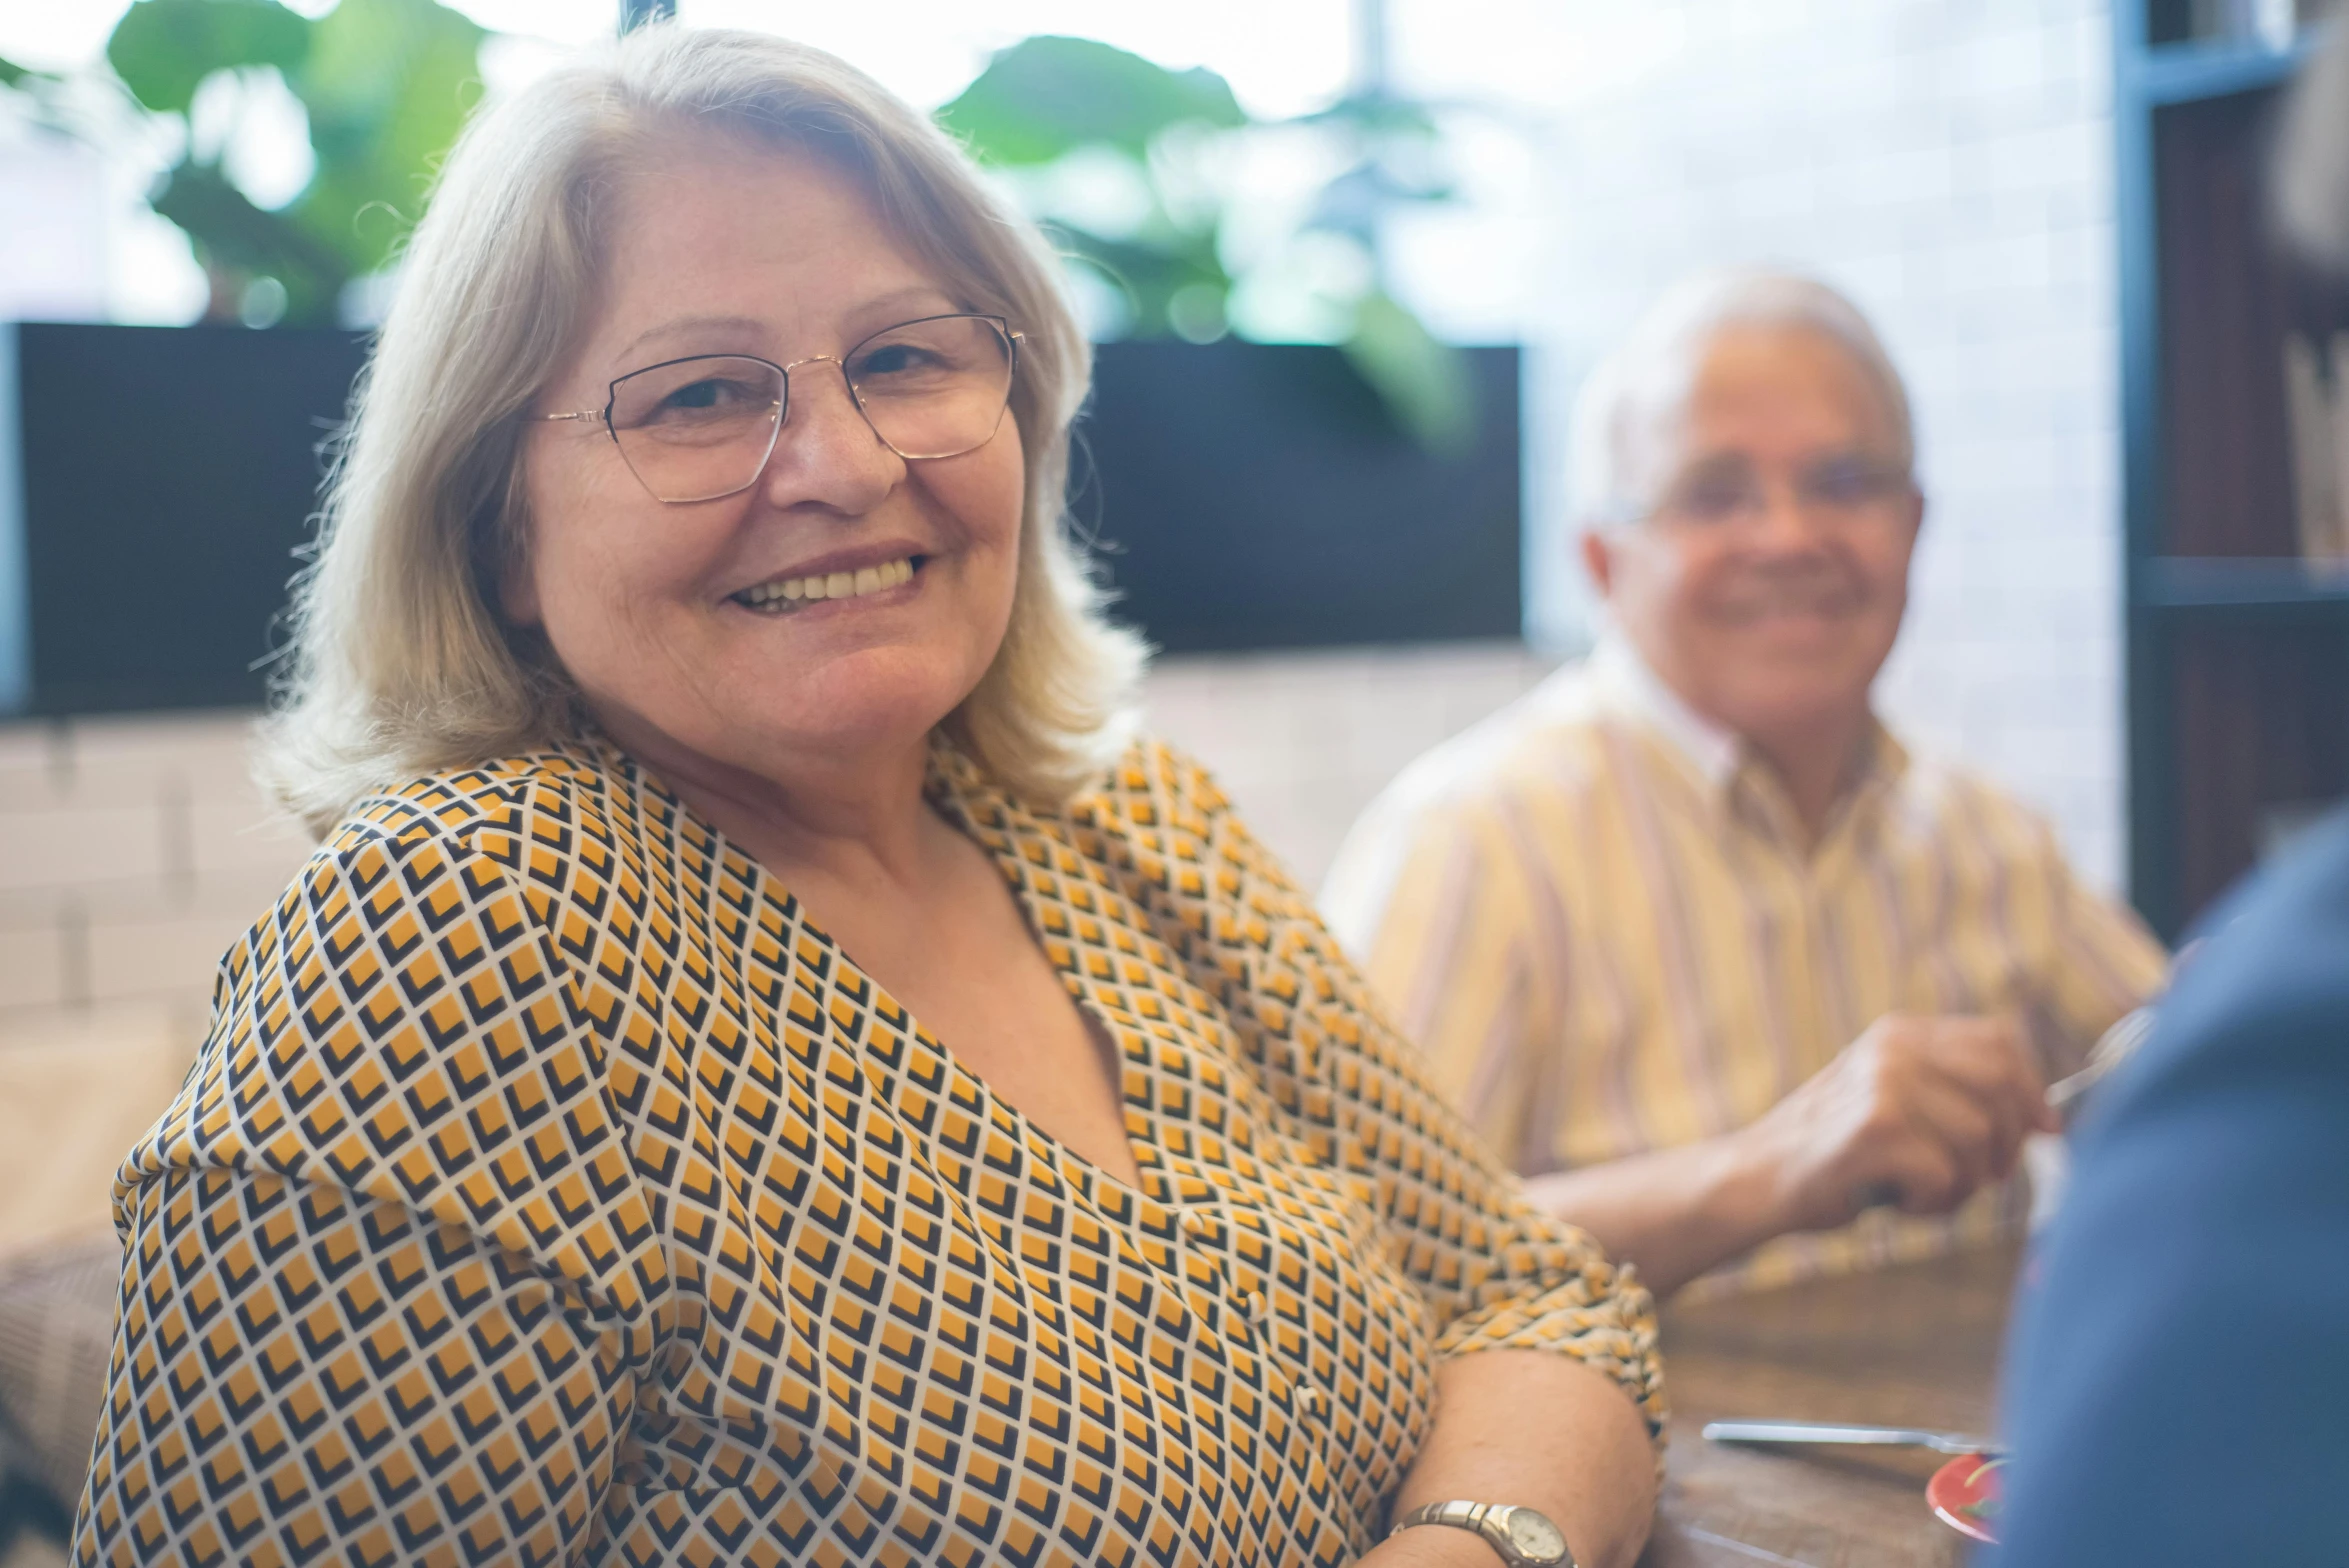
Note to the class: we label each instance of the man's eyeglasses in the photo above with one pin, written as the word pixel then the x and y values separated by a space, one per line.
pixel 699 428
pixel 1832 490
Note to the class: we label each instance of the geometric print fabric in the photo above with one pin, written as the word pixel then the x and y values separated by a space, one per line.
pixel 551 1189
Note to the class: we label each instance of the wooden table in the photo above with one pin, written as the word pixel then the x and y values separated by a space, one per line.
pixel 1912 1346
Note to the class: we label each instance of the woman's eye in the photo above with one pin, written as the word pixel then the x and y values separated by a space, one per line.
pixel 708 396
pixel 894 359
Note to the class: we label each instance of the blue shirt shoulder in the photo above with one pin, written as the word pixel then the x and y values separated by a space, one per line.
pixel 2178 1384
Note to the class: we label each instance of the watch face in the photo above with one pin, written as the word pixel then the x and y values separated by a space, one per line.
pixel 1535 1537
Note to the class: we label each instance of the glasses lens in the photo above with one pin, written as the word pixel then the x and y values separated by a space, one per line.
pixel 1852 484
pixel 934 388
pixel 699 428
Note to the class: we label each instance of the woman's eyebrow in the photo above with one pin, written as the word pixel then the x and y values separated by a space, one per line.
pixel 919 296
pixel 688 324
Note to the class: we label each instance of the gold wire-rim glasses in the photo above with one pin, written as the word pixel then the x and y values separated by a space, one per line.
pixel 778 411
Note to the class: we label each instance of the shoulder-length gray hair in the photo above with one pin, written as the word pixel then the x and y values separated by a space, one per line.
pixel 400 663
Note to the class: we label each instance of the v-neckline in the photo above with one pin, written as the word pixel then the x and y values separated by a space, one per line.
pixel 1090 1178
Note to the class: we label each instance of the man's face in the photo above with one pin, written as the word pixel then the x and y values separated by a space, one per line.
pixel 1766 584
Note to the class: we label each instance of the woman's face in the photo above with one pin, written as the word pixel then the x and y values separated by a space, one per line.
pixel 670 618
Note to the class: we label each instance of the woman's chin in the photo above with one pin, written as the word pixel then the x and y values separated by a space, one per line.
pixel 859 706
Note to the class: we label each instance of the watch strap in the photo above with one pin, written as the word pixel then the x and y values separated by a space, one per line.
pixel 1487 1520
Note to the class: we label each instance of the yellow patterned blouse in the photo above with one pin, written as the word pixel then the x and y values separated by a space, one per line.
pixel 551 1189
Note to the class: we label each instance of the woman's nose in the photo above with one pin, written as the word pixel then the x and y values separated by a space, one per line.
pixel 826 452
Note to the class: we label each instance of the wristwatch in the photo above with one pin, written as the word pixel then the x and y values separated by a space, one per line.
pixel 1524 1538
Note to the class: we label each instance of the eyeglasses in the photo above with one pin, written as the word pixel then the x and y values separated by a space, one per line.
pixel 1834 490
pixel 703 427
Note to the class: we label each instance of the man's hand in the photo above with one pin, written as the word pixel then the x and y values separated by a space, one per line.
pixel 1919 1110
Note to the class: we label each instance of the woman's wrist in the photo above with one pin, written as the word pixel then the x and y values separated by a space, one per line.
pixel 1433 1546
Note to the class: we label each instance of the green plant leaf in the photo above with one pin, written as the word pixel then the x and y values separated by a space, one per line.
pixel 1149 270
pixel 1046 96
pixel 1423 382
pixel 163 49
pixel 237 239
pixel 387 84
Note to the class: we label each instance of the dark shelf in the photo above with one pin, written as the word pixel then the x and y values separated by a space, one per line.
pixel 2234 642
pixel 2189 73
pixel 2180 582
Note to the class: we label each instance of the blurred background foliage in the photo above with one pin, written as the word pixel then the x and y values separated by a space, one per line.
pixel 385 86
pixel 381 88
pixel 1142 175
pixel 1152 181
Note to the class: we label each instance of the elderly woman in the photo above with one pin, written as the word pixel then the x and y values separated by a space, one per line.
pixel 762 1068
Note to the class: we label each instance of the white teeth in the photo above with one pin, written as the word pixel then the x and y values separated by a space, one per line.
pixel 831 585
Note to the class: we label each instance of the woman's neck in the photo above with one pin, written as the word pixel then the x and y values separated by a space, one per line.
pixel 848 816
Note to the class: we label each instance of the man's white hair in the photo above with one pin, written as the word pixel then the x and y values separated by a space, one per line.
pixel 1646 380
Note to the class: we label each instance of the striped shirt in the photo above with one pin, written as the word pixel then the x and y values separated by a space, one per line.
pixel 1602 920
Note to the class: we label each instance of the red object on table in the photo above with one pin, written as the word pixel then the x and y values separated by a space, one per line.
pixel 1964 1495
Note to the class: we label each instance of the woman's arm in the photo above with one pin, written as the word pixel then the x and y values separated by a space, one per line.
pixel 1545 1351
pixel 388 1281
pixel 1539 1430
pixel 302 1375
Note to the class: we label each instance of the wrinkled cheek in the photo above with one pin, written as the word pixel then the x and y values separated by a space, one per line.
pixel 605 631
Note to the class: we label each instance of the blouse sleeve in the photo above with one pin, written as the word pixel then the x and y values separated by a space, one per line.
pixel 389 1281
pixel 1496 1273
pixel 1431 901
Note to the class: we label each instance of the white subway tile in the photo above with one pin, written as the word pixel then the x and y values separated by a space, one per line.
pixel 169 957
pixel 244 834
pixel 33 967
pixel 66 846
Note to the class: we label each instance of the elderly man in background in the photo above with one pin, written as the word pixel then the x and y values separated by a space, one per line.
pixel 1743 986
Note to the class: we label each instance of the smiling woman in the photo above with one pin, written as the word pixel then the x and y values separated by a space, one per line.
pixel 763 1068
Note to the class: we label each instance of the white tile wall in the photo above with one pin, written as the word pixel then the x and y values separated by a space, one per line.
pixel 1949 163
pixel 132 852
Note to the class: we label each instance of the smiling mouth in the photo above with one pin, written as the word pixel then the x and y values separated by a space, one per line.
pixel 784 595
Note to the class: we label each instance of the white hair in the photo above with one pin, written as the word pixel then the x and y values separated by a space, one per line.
pixel 1647 378
pixel 401 663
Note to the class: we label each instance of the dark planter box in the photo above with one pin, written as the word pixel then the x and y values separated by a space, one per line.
pixel 155 484
pixel 160 480
pixel 1254 495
